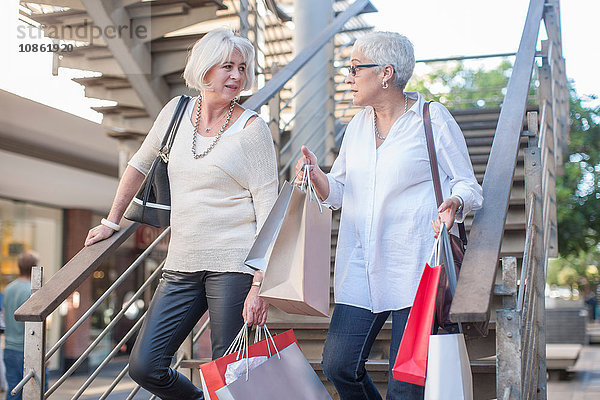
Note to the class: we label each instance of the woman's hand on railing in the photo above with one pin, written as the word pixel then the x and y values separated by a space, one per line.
pixel 446 214
pixel 317 176
pixel 97 234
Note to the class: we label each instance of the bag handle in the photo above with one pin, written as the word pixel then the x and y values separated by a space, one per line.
pixel 241 344
pixel 163 153
pixel 307 186
pixel 444 247
pixel 433 163
pixel 165 148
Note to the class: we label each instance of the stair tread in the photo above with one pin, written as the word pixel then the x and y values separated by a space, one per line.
pixel 372 365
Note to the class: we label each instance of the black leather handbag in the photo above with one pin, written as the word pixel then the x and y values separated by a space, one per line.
pixel 152 203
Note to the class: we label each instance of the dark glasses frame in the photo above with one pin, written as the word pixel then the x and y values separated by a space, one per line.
pixel 353 69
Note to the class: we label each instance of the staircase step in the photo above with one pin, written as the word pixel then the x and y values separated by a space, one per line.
pixel 483 371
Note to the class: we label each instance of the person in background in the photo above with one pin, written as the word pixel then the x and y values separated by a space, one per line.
pixel 223 178
pixel 16 293
pixel 382 181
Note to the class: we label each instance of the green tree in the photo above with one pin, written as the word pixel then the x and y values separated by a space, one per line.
pixel 578 189
pixel 458 87
pixel 577 271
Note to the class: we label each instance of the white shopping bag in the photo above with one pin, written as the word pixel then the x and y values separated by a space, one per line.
pixel 448 369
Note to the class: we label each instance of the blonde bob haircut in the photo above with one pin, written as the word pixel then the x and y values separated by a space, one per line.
pixel 215 48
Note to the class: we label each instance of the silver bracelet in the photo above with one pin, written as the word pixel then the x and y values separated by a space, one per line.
pixel 110 224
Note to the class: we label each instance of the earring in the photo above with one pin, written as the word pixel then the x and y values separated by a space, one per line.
pixel 384 84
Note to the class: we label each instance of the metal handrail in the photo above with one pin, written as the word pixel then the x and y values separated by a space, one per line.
pixel 306 123
pixel 108 327
pixel 478 271
pixel 274 85
pixel 298 110
pixel 110 356
pixel 287 166
pixel 71 276
pixel 107 293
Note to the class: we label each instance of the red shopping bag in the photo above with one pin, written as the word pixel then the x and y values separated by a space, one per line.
pixel 411 360
pixel 213 373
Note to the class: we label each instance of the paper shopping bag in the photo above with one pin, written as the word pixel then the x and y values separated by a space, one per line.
pixel 263 244
pixel 411 360
pixel 448 369
pixel 297 276
pixel 213 373
pixel 287 376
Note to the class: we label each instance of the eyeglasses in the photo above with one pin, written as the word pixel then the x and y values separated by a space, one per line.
pixel 353 69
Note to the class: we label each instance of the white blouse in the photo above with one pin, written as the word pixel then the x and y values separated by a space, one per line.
pixel 385 235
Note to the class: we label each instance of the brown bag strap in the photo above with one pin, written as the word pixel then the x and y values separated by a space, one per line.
pixel 433 163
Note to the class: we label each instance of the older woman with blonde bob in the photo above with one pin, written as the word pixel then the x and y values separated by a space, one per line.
pixel 382 181
pixel 223 177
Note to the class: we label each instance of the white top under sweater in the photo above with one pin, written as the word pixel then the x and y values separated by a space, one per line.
pixel 220 201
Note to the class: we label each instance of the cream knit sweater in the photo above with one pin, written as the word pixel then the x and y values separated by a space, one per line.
pixel 219 202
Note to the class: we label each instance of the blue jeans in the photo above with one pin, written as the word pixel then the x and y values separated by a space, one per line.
pixel 13 360
pixel 351 335
pixel 180 300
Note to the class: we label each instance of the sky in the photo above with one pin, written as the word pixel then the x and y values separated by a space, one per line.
pixel 442 28
pixel 437 28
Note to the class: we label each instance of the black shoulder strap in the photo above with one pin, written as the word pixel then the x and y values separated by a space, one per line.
pixel 433 163
pixel 174 124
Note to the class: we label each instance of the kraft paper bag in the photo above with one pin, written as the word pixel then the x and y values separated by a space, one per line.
pixel 448 369
pixel 285 376
pixel 260 251
pixel 297 276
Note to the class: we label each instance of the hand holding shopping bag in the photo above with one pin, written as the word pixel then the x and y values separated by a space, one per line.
pixel 448 367
pixel 213 373
pixel 297 276
pixel 285 374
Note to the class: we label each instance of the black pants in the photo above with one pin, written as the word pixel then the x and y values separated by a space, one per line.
pixel 178 303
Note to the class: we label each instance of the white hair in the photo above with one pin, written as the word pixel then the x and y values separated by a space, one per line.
pixel 389 48
pixel 216 48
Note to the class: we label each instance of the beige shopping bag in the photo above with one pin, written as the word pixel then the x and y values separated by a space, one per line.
pixel 448 369
pixel 297 276
pixel 260 251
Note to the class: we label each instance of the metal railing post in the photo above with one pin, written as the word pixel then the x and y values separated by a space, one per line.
pixel 533 186
pixel 508 336
pixel 35 348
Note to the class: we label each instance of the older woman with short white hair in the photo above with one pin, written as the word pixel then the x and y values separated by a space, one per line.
pixel 383 183
pixel 223 178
